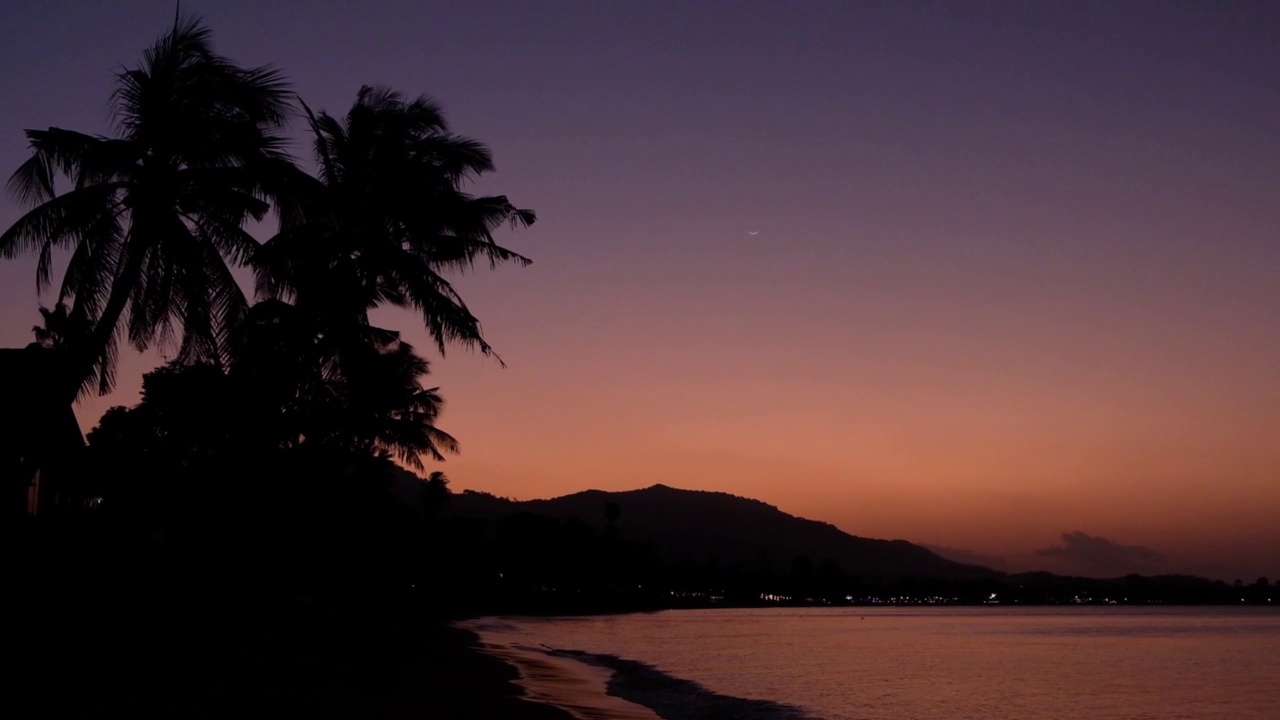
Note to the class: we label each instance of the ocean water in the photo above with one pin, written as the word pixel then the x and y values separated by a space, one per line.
pixel 1095 663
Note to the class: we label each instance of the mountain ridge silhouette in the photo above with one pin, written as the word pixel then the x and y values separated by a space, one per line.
pixel 711 527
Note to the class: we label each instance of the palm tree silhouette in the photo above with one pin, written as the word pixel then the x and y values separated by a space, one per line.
pixel 353 387
pixel 381 223
pixel 435 493
pixel 386 409
pixel 154 217
pixel 385 217
pixel 60 330
pixel 58 337
pixel 154 221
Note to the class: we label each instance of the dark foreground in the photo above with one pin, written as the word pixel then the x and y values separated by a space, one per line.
pixel 192 675
pixel 80 644
pixel 200 668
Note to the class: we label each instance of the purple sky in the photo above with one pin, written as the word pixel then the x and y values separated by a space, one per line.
pixel 1014 288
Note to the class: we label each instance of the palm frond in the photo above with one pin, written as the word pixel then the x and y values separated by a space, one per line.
pixel 33 182
pixel 156 216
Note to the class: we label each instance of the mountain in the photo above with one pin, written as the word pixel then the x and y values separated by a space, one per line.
pixel 702 527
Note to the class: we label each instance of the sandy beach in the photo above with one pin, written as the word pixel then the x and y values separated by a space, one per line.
pixel 545 676
pixel 596 686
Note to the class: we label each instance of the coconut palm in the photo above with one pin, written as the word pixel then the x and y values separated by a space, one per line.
pixel 60 330
pixel 385 409
pixel 434 493
pixel 386 218
pixel 59 335
pixel 351 387
pixel 154 216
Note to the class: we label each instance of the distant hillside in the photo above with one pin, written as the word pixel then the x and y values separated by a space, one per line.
pixel 701 527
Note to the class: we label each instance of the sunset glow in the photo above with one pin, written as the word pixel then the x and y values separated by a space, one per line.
pixel 1015 274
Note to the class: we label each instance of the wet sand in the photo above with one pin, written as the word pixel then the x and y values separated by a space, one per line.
pixel 576 687
pixel 573 685
pixel 593 686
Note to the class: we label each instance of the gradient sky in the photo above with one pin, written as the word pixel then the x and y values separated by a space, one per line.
pixel 1017 271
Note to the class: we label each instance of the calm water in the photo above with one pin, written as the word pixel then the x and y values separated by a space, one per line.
pixel 883 664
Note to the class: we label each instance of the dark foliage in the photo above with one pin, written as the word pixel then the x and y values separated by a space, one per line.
pixel 154 216
pixel 385 219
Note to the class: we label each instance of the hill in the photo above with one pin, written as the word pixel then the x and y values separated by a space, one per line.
pixel 700 528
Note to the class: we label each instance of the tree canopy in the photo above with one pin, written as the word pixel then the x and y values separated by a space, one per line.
pixel 154 216
pixel 153 219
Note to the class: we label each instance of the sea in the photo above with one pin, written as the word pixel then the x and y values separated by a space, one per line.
pixel 900 663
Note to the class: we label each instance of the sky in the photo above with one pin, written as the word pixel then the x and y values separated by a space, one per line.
pixel 997 277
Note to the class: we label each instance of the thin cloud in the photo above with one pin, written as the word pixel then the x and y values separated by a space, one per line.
pixel 1092 555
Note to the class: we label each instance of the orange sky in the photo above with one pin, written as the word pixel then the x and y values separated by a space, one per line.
pixel 1015 276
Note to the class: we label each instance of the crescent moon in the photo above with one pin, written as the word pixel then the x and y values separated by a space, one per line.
pixel 753 232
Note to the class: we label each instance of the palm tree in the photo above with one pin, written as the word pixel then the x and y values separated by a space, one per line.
pixel 58 337
pixel 154 216
pixel 434 493
pixel 59 330
pixel 386 217
pixel 351 387
pixel 386 409
pixel 381 223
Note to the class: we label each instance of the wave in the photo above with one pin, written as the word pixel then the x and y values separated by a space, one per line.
pixel 674 698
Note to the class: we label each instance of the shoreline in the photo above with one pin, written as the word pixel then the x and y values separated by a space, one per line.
pixel 463 680
pixel 594 686
pixel 555 679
